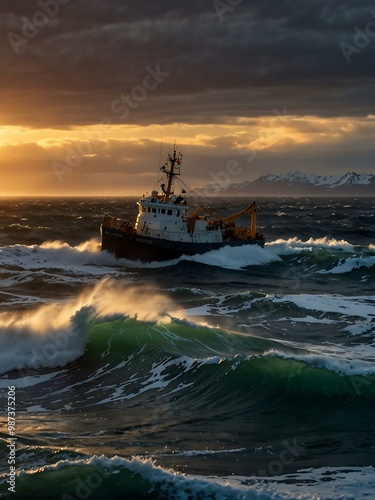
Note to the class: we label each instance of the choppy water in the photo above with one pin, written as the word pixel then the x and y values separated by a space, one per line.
pixel 242 373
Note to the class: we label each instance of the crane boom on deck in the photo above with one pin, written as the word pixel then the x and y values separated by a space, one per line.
pixel 228 224
pixel 232 218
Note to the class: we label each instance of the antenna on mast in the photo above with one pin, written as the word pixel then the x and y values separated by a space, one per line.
pixel 171 169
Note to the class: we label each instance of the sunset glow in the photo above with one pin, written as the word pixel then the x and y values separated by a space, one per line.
pixel 106 120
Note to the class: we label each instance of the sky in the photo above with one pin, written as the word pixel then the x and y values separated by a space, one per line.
pixel 95 92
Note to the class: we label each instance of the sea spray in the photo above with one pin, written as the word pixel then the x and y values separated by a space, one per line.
pixel 55 334
pixel 283 355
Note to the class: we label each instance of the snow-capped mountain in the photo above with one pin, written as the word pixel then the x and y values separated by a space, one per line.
pixel 329 181
pixel 298 184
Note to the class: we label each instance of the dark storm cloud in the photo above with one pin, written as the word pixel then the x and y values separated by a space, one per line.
pixel 217 61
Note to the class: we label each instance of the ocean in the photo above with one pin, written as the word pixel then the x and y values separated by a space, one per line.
pixel 243 373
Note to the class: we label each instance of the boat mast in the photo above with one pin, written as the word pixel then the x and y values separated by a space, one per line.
pixel 172 172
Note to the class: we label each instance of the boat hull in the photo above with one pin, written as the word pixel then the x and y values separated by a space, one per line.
pixel 134 247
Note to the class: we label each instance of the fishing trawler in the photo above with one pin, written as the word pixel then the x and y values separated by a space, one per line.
pixel 165 230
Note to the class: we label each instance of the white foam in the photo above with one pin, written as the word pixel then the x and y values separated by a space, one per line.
pixel 346 306
pixel 309 319
pixel 236 258
pixel 171 482
pixel 350 264
pixel 160 377
pixel 360 328
pixel 85 258
pixel 356 306
pixel 28 381
pixel 325 483
pixel 197 453
pixel 333 359
pixel 218 308
pixel 200 310
pixel 295 245
pixel 55 334
pixel 35 409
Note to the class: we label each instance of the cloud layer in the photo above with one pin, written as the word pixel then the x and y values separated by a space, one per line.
pixel 290 82
pixel 221 61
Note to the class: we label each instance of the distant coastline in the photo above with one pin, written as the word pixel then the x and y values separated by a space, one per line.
pixel 297 184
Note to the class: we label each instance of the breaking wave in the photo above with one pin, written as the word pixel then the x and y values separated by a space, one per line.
pixel 62 255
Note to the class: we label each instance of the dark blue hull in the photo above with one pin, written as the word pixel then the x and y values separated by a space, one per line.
pixel 147 249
